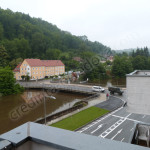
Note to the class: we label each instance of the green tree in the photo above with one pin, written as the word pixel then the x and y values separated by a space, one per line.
pixel 15 62
pixel 140 62
pixel 121 66
pixel 53 54
pixel 96 73
pixel 8 83
pixel 3 56
pixel 1 31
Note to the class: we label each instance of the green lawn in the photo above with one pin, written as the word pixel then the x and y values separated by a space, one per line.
pixel 75 121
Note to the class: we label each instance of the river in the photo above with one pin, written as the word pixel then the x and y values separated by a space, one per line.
pixel 18 109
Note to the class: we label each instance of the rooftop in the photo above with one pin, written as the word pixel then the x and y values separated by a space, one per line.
pixel 46 63
pixel 139 73
pixel 35 136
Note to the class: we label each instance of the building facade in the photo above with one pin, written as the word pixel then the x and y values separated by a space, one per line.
pixel 138 92
pixel 39 69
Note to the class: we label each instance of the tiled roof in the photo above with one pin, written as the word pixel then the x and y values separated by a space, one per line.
pixel 34 62
pixel 46 63
pixel 50 63
pixel 17 69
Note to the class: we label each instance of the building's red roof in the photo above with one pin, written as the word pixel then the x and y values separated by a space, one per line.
pixel 34 62
pixel 17 69
pixel 51 63
pixel 46 63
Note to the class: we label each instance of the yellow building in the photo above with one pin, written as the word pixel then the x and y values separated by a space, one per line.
pixel 38 69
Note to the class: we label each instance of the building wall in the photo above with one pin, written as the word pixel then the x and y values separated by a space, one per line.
pixel 38 72
pixel 17 75
pixel 59 70
pixel 138 94
pixel 25 68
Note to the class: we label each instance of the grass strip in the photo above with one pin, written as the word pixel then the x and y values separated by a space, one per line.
pixel 77 120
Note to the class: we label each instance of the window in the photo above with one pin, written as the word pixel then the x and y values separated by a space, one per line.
pixel 36 68
pixel 33 68
pixel 28 68
pixel 21 68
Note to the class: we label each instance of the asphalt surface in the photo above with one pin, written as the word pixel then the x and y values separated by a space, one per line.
pixel 117 125
pixel 111 104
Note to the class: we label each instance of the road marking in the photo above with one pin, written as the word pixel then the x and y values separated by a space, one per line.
pixel 114 126
pixel 128 119
pixel 131 129
pixel 117 116
pixel 144 116
pixel 97 128
pixel 116 134
pixel 122 139
pixel 83 129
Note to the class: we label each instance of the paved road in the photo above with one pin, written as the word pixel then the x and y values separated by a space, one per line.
pixel 118 125
pixel 111 104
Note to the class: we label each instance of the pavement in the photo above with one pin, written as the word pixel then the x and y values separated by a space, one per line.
pixel 111 104
pixel 117 125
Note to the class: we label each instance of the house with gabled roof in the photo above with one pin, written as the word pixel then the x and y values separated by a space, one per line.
pixel 38 69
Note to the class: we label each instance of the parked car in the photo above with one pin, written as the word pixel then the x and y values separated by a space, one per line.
pixel 98 89
pixel 115 90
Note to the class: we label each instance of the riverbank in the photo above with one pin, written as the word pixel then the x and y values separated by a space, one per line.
pixel 91 103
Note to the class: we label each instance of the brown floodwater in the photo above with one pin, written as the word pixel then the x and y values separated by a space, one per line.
pixel 111 82
pixel 18 109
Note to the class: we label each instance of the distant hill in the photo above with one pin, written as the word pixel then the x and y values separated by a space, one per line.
pixel 27 37
pixel 125 50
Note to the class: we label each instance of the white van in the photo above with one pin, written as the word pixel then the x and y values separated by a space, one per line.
pixel 98 89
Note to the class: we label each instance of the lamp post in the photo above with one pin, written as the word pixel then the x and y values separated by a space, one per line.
pixel 52 97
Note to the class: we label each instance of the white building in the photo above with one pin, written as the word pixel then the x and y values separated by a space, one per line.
pixel 138 92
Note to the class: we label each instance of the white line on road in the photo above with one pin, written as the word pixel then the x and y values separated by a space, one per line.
pixel 82 130
pixel 122 140
pixel 128 119
pixel 116 134
pixel 144 116
pixel 131 129
pixel 113 127
pixel 97 128
pixel 117 116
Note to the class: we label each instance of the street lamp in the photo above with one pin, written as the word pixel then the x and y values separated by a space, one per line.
pixel 52 97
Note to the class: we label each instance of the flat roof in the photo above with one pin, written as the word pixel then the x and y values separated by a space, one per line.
pixel 53 138
pixel 139 73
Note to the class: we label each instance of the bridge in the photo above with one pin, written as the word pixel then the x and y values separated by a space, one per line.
pixel 58 87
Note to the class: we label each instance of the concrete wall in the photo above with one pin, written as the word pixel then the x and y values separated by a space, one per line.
pixel 138 94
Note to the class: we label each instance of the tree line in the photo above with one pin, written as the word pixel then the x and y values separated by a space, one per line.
pixel 125 63
pixel 22 36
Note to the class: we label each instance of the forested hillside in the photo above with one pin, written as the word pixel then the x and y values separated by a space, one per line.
pixel 24 37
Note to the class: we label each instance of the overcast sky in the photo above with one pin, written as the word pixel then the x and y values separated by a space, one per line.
pixel 119 24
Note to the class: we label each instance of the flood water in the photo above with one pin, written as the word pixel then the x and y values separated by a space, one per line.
pixel 18 109
pixel 111 82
